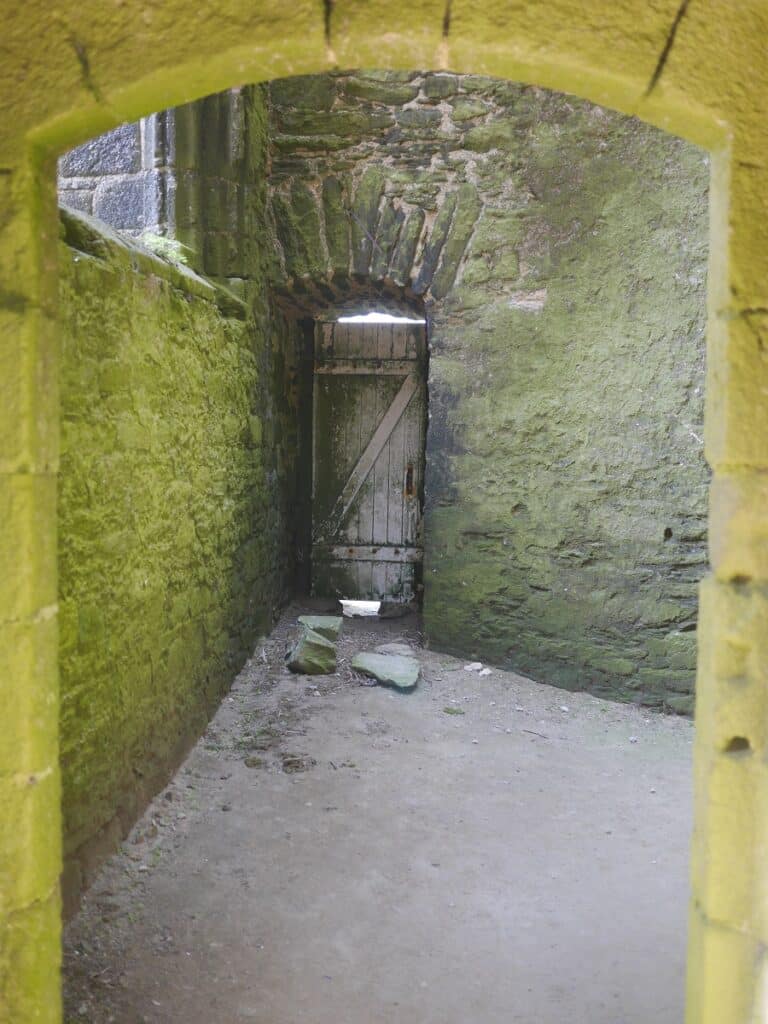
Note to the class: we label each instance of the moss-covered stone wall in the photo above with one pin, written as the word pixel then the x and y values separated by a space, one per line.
pixel 560 251
pixel 176 518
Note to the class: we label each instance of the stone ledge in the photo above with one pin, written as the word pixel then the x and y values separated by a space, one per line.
pixel 96 239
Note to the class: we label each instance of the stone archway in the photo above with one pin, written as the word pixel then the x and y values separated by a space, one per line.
pixel 695 69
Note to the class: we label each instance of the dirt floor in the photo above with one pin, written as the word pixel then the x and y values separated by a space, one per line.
pixel 485 850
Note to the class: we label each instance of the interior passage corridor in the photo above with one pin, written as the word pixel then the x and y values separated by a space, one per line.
pixel 485 849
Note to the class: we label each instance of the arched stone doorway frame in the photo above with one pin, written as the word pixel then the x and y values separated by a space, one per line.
pixel 695 68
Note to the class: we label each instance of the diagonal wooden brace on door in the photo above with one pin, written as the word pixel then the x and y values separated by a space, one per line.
pixel 365 463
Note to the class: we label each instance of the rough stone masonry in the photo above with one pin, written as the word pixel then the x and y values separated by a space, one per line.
pixel 559 252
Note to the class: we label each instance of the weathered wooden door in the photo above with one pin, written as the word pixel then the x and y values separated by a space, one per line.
pixel 368 459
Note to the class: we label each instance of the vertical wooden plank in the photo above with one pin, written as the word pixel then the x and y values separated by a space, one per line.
pixel 392 333
pixel 366 581
pixel 351 413
pixel 387 388
pixel 384 341
pixel 351 454
pixel 366 420
pixel 375 478
pixel 355 340
pixel 381 497
pixel 382 402
pixel 364 398
pixel 349 340
pixel 371 342
pixel 379 579
pixel 340 341
pixel 381 406
pixel 371 416
pixel 384 396
pixel 331 444
pixel 395 483
pixel 410 341
pixel 399 342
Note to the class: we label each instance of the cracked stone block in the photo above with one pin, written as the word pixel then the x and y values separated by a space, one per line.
pixel 312 654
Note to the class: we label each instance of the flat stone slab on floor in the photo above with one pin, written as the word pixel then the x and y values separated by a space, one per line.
pixel 396 648
pixel 396 670
pixel 328 626
pixel 312 654
pixel 517 863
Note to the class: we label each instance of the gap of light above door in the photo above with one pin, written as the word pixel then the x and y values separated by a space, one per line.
pixel 379 318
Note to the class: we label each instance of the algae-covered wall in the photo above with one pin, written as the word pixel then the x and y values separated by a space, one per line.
pixel 560 250
pixel 175 519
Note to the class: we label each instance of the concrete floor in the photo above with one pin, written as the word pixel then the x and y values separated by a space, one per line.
pixel 332 853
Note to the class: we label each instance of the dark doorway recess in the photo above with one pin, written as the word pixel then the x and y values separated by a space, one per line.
pixel 370 405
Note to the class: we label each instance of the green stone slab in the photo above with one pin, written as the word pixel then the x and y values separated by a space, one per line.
pixel 395 670
pixel 312 654
pixel 328 626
